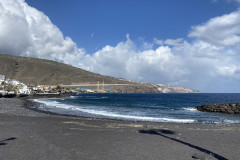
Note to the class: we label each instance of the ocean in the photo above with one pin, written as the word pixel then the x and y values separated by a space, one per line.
pixel 177 108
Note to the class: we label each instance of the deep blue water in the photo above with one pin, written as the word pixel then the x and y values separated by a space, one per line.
pixel 143 107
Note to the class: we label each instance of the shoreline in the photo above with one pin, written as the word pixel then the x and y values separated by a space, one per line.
pixel 27 103
pixel 27 134
pixel 31 103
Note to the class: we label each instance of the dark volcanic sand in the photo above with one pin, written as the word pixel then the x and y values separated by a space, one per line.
pixel 29 135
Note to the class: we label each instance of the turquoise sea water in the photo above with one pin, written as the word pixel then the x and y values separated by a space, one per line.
pixel 143 107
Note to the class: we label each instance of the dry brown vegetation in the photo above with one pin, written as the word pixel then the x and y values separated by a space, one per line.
pixel 41 71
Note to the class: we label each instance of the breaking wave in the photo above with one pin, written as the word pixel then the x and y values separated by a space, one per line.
pixel 177 108
pixel 107 114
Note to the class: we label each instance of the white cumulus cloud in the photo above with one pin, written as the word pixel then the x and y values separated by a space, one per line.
pixel 26 31
pixel 125 61
pixel 170 42
pixel 214 1
pixel 222 31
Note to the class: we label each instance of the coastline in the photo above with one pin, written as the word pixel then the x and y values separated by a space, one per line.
pixel 27 134
pixel 184 113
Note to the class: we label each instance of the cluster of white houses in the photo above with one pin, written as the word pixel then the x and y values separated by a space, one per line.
pixel 11 88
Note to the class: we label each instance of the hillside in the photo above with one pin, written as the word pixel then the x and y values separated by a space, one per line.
pixel 46 72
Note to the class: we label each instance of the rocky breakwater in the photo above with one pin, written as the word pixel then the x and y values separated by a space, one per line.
pixel 228 108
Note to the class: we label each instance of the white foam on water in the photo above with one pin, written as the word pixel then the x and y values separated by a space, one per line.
pixel 53 103
pixel 111 114
pixel 73 97
pixel 231 121
pixel 190 109
pixel 104 97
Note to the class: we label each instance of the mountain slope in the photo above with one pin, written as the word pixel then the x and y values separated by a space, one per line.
pixel 46 72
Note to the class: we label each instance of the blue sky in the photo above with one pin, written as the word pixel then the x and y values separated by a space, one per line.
pixel 188 43
pixel 92 24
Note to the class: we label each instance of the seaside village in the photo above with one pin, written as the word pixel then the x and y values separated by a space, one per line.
pixel 13 88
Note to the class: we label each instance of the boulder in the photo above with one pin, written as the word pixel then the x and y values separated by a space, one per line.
pixel 228 108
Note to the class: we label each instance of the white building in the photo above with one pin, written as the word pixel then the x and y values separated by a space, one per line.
pixel 13 82
pixel 2 92
pixel 24 89
pixel 2 78
pixel 90 91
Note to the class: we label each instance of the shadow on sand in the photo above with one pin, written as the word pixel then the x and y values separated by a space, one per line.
pixel 161 132
pixel 4 142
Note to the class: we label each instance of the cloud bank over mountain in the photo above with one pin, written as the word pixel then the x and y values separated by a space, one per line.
pixel 208 61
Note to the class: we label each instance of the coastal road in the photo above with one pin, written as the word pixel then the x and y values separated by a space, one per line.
pixel 90 85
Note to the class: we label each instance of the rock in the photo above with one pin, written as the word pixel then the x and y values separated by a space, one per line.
pixel 228 108
pixel 198 156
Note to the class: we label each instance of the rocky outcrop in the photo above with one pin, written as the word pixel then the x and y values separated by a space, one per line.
pixel 173 89
pixel 228 108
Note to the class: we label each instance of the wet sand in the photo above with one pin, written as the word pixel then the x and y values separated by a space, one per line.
pixel 26 135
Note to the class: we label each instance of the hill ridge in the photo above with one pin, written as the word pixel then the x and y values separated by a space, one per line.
pixel 48 72
pixel 41 71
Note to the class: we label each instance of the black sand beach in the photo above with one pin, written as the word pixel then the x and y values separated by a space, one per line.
pixel 29 135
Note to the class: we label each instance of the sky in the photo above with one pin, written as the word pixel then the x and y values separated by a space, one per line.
pixel 93 24
pixel 189 43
